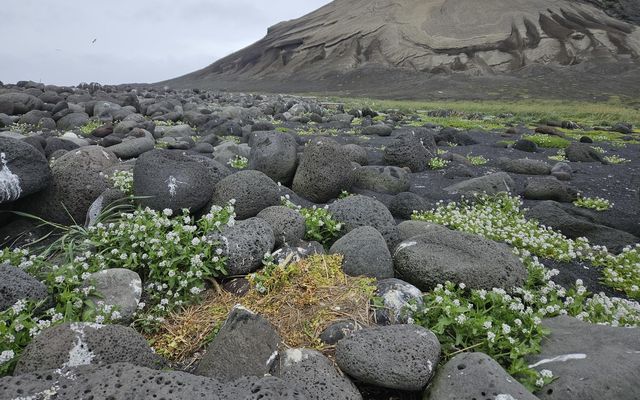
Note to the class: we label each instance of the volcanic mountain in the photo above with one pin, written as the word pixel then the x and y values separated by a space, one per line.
pixel 392 40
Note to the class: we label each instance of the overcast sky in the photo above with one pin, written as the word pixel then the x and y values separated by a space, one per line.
pixel 50 41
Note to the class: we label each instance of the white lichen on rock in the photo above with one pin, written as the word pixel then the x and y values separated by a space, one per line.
pixel 10 188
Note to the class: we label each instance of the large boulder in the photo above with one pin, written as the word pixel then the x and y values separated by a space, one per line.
pixel 245 244
pixel 246 345
pixel 77 181
pixel 325 170
pixel 315 375
pixel 357 211
pixel 15 285
pixel 275 154
pixel 404 204
pixel 253 191
pixel 475 376
pixel 23 170
pixel 169 179
pixel 582 152
pixel 525 166
pixel 288 225
pixel 401 357
pixel 80 343
pixel 590 361
pixel 382 179
pixel 73 120
pixel 441 255
pixel 407 150
pixel 489 184
pixel 365 253
pixel 574 224
pixel 138 141
pixel 549 188
pixel 19 103
pixel 133 382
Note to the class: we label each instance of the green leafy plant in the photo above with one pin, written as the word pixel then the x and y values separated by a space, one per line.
pixel 90 126
pixel 123 181
pixel 615 159
pixel 594 203
pixel 477 160
pixel 560 156
pixel 438 163
pixel 548 141
pixel 320 225
pixel 239 162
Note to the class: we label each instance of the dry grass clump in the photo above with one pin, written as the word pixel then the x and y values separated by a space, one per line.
pixel 299 299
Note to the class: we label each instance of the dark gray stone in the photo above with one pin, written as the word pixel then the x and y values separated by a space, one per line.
pixel 117 287
pixel 288 225
pixel 452 135
pixel 365 253
pixel 525 166
pixel 396 356
pixel 582 152
pixel 275 154
pixel 441 255
pixel 525 145
pixel 356 211
pixel 574 224
pixel 396 295
pixel 132 382
pixel 55 143
pixel 71 121
pixel 337 331
pixel 549 188
pixel 315 376
pixel 216 171
pixel 380 130
pixel 562 171
pixel 325 170
pixel 591 361
pixel 404 204
pixel 245 245
pixel 253 191
pixel 382 179
pixel 19 103
pixel 171 180
pixel 475 376
pixel 246 345
pixel 80 343
pixel 15 284
pixel 489 184
pixel 408 150
pixel 77 181
pixel 23 170
pixel 137 142
pixel 355 153
pixel 409 229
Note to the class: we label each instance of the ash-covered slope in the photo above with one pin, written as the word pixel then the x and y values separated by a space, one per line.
pixel 472 37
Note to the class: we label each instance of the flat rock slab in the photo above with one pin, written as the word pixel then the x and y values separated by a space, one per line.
pixel 132 382
pixel 590 361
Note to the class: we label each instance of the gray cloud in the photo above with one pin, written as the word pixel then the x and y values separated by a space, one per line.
pixel 136 41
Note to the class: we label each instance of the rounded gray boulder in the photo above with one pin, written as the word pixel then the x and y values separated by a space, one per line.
pixel 356 211
pixel 253 191
pixel 440 255
pixel 15 285
pixel 324 171
pixel 171 179
pixel 401 357
pixel 81 343
pixel 245 245
pixel 275 154
pixel 365 253
pixel 288 225
pixel 382 179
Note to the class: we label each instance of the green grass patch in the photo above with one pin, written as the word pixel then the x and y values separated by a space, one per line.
pixel 548 141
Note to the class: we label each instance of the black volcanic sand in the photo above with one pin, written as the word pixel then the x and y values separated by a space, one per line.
pixel 588 82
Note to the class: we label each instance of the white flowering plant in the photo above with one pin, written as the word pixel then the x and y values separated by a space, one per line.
pixel 173 256
pixel 594 203
pixel 438 163
pixel 238 162
pixel 123 181
pixel 477 160
pixel 320 225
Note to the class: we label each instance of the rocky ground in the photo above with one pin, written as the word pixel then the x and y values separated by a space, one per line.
pixel 469 300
